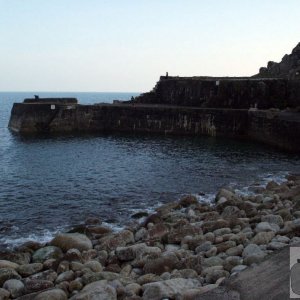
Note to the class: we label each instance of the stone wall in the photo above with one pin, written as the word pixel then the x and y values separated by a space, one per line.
pixel 238 93
pixel 275 128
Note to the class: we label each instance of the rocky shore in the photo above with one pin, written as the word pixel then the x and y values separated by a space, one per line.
pixel 183 251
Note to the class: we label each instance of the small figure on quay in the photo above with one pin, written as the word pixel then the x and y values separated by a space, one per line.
pixel 167 74
pixel 36 97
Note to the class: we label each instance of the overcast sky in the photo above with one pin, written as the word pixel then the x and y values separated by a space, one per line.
pixel 125 45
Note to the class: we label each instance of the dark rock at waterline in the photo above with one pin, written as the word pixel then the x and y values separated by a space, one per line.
pixel 139 215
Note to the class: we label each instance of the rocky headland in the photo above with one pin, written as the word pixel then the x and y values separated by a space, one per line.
pixel 185 250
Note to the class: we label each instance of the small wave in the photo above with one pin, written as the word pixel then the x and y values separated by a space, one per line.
pixel 44 237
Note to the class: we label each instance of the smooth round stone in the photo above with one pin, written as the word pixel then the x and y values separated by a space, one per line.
pixel 15 287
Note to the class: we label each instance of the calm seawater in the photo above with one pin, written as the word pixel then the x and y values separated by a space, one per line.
pixel 50 183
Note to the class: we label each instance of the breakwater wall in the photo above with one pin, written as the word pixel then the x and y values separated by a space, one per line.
pixel 224 92
pixel 275 128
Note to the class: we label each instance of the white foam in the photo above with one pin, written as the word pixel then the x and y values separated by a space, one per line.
pixel 43 237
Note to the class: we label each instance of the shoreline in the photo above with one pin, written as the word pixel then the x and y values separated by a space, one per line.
pixel 47 234
pixel 183 250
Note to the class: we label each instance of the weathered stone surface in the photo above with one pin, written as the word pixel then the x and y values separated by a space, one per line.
pixel 35 285
pixel 4 294
pixel 94 265
pixel 15 287
pixel 98 290
pixel 276 219
pixel 121 239
pixel 49 252
pixel 54 294
pixel 168 288
pixel 8 265
pixel 66 241
pixel 19 258
pixel 265 226
pixel 6 274
pixel 234 251
pixel 275 245
pixel 29 269
pixel 137 251
pixel 65 276
pixel 262 238
pixel 253 254
pixel 161 264
pixel 48 275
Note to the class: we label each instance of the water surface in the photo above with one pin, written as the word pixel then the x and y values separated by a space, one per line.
pixel 47 183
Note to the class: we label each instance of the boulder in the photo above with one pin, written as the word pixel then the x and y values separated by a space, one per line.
pixel 253 254
pixel 66 241
pixel 232 211
pixel 6 274
pixel 275 219
pixel 98 290
pixel 15 287
pixel 4 294
pixel 19 258
pixel 263 238
pixel 275 245
pixel 8 265
pixel 29 269
pixel 238 268
pixel 229 195
pixel 235 251
pixel 137 251
pixel 54 294
pixel 65 276
pixel 266 226
pixel 120 239
pixel 170 288
pixel 232 261
pixel 35 285
pixel 45 253
pixel 48 275
pixel 161 264
pixel 93 265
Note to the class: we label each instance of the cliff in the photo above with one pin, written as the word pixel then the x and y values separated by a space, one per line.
pixel 289 67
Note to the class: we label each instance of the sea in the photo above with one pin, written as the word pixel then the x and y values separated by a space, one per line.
pixel 49 184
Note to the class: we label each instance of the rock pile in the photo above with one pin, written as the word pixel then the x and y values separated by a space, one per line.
pixel 183 250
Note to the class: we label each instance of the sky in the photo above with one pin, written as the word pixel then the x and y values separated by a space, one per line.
pixel 125 45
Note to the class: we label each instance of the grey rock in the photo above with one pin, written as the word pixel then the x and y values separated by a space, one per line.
pixel 45 253
pixel 232 261
pixel 98 290
pixel 54 294
pixel 213 261
pixel 8 265
pixel 66 241
pixel 65 276
pixel 206 246
pixel 94 265
pixel 29 269
pixel 235 251
pixel 4 294
pixel 48 275
pixel 263 237
pixel 265 226
pixel 275 245
pixel 6 274
pixel 169 288
pixel 15 287
pixel 275 219
pixel 238 268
